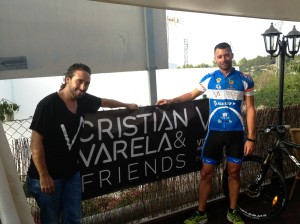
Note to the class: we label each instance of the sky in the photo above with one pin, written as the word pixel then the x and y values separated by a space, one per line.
pixel 204 31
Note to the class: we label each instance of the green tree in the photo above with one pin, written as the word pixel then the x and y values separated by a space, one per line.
pixel 267 88
pixel 295 68
pixel 243 64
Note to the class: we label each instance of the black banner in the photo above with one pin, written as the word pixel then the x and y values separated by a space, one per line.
pixel 123 148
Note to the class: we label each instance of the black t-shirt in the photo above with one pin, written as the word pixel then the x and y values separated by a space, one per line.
pixel 61 131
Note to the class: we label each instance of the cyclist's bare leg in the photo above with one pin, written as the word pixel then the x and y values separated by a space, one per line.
pixel 205 185
pixel 234 183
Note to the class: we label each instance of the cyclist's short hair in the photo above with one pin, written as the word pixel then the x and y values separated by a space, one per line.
pixel 223 45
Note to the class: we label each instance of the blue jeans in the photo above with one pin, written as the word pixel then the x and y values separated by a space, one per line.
pixel 62 206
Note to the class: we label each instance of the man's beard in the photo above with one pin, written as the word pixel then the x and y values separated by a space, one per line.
pixel 77 94
pixel 225 66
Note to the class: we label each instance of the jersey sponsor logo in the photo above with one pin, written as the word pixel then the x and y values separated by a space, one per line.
pixel 234 119
pixel 219 103
pixel 224 118
pixel 231 84
pixel 234 95
pixel 236 160
pixel 225 94
pixel 216 93
pixel 218 86
pixel 208 160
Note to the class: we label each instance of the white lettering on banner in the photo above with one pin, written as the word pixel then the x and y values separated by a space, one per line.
pixel 92 135
pixel 200 143
pixel 107 130
pixel 180 161
pixel 164 166
pixel 119 170
pixel 105 177
pixel 144 116
pixel 204 126
pixel 84 181
pixel 176 115
pixel 167 119
pixel 164 139
pixel 179 142
pixel 131 129
pixel 121 150
pixel 139 147
pixel 130 177
pixel 65 133
pixel 147 150
pixel 134 127
pixel 104 150
pixel 135 146
pixel 87 162
pixel 147 165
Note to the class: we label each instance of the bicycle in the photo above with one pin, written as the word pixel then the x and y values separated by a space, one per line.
pixel 263 188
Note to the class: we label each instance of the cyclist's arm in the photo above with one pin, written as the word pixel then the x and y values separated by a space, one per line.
pixel 182 98
pixel 251 115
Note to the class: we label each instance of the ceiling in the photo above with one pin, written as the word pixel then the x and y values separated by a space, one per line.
pixel 267 9
pixel 109 38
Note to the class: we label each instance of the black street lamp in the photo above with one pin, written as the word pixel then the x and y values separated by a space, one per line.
pixel 288 46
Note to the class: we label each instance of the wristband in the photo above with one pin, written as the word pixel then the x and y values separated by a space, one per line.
pixel 251 140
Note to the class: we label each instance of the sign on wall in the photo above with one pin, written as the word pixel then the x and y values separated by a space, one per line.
pixel 123 148
pixel 13 63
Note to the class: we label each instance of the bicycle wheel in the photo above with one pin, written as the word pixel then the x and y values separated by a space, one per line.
pixel 266 201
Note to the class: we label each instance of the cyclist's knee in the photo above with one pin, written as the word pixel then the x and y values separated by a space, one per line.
pixel 234 176
pixel 207 172
pixel 234 173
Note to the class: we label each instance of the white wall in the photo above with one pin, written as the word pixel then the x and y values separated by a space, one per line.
pixel 125 86
pixel 6 90
pixel 174 82
pixel 28 92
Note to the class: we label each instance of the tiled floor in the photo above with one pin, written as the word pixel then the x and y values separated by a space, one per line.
pixel 217 213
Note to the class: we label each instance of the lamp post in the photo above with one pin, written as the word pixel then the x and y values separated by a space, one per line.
pixel 288 46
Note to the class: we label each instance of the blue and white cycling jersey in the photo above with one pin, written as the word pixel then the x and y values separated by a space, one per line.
pixel 226 97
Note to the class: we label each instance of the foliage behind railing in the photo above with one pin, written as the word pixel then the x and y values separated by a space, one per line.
pixel 138 204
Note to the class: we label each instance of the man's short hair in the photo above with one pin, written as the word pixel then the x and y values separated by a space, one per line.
pixel 223 45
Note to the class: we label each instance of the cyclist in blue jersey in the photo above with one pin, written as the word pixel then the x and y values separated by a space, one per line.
pixel 227 90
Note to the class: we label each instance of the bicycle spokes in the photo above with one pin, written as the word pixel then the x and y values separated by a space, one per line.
pixel 252 190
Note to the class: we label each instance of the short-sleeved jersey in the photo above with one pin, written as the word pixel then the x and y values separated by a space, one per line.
pixel 226 96
pixel 61 129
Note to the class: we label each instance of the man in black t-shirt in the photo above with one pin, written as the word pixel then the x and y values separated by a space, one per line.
pixel 53 174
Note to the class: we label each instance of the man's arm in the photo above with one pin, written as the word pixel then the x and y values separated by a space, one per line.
pixel 114 103
pixel 185 97
pixel 38 157
pixel 251 116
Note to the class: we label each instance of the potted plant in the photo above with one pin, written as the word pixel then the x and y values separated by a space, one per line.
pixel 7 109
